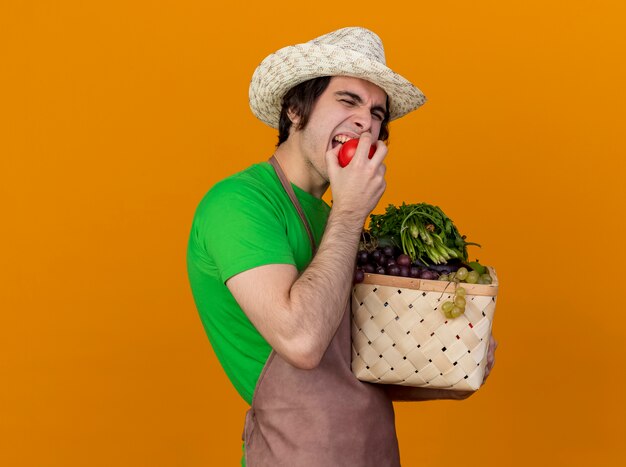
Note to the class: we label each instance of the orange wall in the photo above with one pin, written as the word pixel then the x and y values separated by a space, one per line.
pixel 118 116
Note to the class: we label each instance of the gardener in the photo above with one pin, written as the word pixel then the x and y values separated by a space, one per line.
pixel 272 285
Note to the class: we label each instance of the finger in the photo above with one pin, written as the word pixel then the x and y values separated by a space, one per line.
pixel 332 159
pixel 381 152
pixel 362 149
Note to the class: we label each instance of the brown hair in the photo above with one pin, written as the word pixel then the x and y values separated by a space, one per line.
pixel 300 100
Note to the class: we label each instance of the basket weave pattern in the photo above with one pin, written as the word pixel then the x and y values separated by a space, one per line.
pixel 400 336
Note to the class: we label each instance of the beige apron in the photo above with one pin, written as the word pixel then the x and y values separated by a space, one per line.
pixel 320 417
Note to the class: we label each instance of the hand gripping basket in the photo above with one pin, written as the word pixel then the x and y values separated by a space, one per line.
pixel 400 335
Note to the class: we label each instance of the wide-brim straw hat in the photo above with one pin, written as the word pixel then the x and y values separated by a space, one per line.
pixel 354 51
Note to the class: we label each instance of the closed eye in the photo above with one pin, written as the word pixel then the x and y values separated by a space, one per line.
pixel 350 99
pixel 378 116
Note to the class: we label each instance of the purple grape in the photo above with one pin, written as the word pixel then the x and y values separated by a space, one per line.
pixel 375 255
pixel 362 257
pixel 414 271
pixel 368 268
pixel 404 270
pixel 393 270
pixel 358 276
pixel 380 270
pixel 403 260
pixel 428 275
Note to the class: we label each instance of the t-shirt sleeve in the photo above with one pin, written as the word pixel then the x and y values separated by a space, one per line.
pixel 241 228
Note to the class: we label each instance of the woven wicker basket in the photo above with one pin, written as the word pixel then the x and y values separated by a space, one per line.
pixel 400 336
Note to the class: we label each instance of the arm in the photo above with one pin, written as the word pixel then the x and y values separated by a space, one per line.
pixel 299 314
pixel 406 393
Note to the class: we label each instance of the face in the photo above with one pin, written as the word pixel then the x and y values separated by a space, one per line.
pixel 346 108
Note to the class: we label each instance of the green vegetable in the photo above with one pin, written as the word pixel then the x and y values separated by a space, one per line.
pixel 423 232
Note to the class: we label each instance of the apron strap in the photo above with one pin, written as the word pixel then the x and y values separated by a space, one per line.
pixel 294 200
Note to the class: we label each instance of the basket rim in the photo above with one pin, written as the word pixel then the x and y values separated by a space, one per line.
pixel 488 290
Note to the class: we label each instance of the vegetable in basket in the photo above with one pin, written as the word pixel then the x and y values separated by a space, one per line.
pixel 423 231
pixel 419 241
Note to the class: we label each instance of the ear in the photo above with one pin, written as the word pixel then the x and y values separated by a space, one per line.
pixel 294 117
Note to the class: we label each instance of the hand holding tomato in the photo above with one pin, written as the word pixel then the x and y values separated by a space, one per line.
pixel 356 191
pixel 346 153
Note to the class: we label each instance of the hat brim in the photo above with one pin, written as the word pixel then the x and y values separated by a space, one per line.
pixel 295 64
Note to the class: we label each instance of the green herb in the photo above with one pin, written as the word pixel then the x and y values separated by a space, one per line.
pixel 423 231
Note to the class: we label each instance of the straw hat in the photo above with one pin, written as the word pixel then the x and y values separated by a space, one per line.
pixel 354 51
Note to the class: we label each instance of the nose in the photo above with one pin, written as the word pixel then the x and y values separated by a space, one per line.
pixel 363 118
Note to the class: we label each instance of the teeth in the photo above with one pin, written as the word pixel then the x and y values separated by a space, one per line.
pixel 342 138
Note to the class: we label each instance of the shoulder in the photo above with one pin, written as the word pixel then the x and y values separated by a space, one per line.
pixel 257 181
pixel 253 194
pixel 241 220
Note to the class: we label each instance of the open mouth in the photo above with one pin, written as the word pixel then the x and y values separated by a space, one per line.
pixel 340 139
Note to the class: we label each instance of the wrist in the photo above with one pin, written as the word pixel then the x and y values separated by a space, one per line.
pixel 350 219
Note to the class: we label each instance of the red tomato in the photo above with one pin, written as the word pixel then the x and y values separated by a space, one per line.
pixel 346 153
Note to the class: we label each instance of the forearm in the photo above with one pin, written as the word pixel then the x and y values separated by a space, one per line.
pixel 319 296
pixel 407 393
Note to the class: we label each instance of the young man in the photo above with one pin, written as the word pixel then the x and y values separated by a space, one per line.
pixel 272 286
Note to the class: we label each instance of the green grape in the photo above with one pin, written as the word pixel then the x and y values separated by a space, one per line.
pixel 447 308
pixel 443 277
pixel 459 301
pixel 472 277
pixel 485 279
pixel 460 291
pixel 457 311
pixel 461 273
pixel 451 276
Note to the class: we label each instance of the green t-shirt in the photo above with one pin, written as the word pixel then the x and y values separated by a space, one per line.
pixel 245 221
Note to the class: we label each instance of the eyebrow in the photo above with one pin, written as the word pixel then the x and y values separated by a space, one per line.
pixel 359 100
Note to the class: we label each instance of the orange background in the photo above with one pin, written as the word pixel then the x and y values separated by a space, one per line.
pixel 118 116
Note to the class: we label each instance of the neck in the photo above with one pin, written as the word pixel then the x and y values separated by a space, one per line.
pixel 299 170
